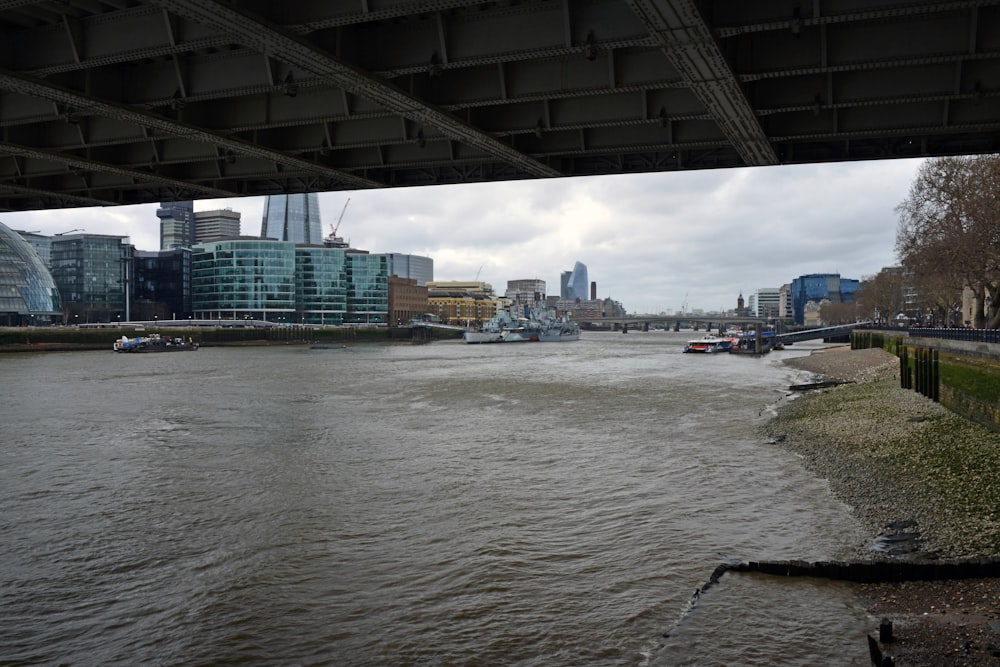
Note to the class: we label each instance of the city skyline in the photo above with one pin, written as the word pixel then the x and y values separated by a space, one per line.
pixel 650 241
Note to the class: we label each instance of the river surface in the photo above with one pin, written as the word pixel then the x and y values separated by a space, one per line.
pixel 438 504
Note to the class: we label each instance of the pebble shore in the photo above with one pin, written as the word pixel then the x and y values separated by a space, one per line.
pixel 922 481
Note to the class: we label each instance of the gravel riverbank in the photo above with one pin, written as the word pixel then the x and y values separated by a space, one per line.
pixel 923 481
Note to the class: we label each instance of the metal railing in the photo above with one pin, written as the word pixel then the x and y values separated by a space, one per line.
pixel 971 335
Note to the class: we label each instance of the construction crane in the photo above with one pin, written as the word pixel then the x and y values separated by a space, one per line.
pixel 334 228
pixel 69 232
pixel 478 272
pixel 684 306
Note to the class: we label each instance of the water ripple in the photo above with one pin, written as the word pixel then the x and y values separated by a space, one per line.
pixel 440 504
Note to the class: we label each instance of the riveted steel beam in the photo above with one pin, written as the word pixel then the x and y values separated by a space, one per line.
pixel 292 49
pixel 689 45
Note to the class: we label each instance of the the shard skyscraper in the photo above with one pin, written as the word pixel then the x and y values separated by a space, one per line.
pixel 292 218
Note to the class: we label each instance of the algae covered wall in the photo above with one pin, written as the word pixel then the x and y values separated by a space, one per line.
pixel 962 377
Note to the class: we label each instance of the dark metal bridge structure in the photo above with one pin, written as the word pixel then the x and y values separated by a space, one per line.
pixel 111 102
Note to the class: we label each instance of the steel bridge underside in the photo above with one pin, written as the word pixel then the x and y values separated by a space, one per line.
pixel 110 102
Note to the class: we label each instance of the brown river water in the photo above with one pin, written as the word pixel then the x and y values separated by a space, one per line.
pixel 439 504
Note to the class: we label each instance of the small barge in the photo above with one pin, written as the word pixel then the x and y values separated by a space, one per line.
pixel 154 343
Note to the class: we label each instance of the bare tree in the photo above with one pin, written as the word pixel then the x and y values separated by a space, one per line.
pixel 949 231
pixel 838 313
pixel 881 297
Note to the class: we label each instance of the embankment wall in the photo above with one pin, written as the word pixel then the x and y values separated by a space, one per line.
pixel 963 376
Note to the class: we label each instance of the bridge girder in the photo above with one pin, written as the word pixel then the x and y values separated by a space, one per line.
pixel 133 101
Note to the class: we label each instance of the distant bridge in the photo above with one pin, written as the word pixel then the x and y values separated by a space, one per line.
pixel 642 322
pixel 639 321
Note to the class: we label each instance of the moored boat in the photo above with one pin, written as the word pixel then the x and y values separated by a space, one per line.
pixel 534 327
pixel 747 343
pixel 559 331
pixel 709 344
pixel 492 330
pixel 154 343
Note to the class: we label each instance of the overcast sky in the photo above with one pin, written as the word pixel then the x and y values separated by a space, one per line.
pixel 650 241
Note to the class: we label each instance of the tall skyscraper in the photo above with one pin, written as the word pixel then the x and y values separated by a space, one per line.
pixel 176 224
pixel 578 284
pixel 564 293
pixel 292 218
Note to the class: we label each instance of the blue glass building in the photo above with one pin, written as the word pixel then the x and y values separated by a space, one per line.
pixel 292 218
pixel 819 287
pixel 28 294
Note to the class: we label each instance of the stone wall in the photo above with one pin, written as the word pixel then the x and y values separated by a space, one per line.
pixel 963 376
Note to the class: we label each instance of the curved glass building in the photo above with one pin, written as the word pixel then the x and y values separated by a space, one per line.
pixel 578 285
pixel 28 294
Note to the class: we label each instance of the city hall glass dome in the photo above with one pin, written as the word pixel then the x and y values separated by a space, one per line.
pixel 28 295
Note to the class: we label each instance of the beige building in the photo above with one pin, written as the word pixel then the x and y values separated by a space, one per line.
pixel 216 225
pixel 472 287
pixel 462 301
pixel 456 308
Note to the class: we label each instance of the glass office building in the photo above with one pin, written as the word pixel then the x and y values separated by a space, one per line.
pixel 367 289
pixel 292 218
pixel 242 279
pixel 321 285
pixel 28 294
pixel 417 267
pixel 819 287
pixel 162 284
pixel 41 243
pixel 91 271
pixel 577 285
